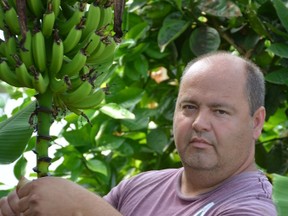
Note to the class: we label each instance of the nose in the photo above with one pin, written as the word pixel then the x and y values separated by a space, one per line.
pixel 202 121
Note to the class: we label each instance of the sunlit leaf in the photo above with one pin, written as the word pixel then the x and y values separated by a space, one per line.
pixel 97 166
pixel 116 111
pixel 15 133
pixel 280 194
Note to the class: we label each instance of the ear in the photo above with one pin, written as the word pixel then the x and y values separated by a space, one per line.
pixel 258 122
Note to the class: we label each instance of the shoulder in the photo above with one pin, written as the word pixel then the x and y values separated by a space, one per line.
pixel 247 193
pixel 152 177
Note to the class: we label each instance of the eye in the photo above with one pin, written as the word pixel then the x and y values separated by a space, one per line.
pixel 221 112
pixel 188 106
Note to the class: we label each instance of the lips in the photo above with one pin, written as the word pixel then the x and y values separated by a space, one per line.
pixel 200 143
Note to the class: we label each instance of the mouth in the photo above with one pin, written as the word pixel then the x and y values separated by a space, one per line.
pixel 200 143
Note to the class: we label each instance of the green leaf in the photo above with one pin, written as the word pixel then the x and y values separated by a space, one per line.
pixel 157 140
pixel 221 8
pixel 126 97
pixel 109 142
pixel 20 167
pixel 97 166
pixel 204 40
pixel 137 32
pixel 280 194
pixel 15 132
pixel 116 111
pixel 279 49
pixel 279 77
pixel 171 29
pixel 282 12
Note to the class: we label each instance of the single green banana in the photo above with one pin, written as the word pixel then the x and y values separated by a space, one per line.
pixel 11 50
pixel 105 56
pixel 88 102
pixel 97 52
pixel 11 19
pixel 8 76
pixel 58 86
pixel 56 57
pixel 23 75
pixel 73 67
pixel 92 43
pixel 72 38
pixel 2 48
pixel 36 7
pixel 39 50
pixel 67 9
pixel 56 4
pixel 75 19
pixel 48 23
pixel 75 95
pixel 26 50
pixel 2 22
pixel 92 20
pixel 40 81
pixel 106 17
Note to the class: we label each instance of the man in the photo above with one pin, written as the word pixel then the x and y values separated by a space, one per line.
pixel 218 117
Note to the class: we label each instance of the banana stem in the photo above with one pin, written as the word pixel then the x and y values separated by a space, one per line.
pixel 44 121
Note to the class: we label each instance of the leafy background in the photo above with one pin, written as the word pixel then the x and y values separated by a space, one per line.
pixel 160 38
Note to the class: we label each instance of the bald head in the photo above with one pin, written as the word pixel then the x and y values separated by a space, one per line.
pixel 229 67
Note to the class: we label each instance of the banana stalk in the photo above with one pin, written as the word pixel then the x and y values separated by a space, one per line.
pixel 44 120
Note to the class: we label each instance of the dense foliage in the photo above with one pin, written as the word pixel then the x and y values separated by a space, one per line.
pixel 160 38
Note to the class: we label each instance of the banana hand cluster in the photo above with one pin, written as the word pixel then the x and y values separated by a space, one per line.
pixel 58 46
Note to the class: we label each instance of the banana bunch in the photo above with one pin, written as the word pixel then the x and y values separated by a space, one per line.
pixel 58 46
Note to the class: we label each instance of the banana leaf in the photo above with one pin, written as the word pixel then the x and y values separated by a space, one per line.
pixel 15 133
pixel 280 194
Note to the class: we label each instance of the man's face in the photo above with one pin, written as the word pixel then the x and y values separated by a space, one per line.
pixel 213 128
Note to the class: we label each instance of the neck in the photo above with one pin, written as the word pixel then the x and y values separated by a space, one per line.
pixel 196 182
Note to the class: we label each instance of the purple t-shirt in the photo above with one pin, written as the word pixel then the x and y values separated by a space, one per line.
pixel 157 193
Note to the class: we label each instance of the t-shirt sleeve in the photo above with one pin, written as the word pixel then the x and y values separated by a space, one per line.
pixel 251 208
pixel 114 196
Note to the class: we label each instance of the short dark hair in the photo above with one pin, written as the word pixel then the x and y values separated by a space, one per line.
pixel 255 82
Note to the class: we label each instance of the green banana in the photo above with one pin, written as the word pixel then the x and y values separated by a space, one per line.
pixel 56 57
pixel 92 43
pixel 2 23
pixel 39 50
pixel 26 50
pixel 11 19
pixel 75 19
pixel 67 9
pixel 40 81
pixel 72 38
pixel 58 86
pixel 97 52
pixel 36 7
pixel 75 95
pixel 48 23
pixel 92 20
pixel 23 75
pixel 74 66
pixel 106 16
pixel 56 6
pixel 2 48
pixel 88 102
pixel 105 56
pixel 11 49
pixel 7 75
